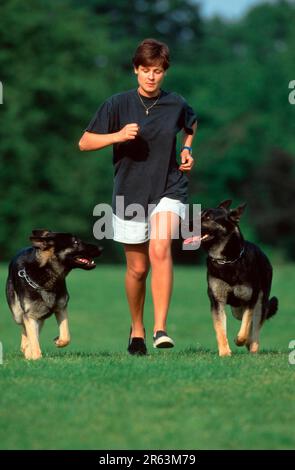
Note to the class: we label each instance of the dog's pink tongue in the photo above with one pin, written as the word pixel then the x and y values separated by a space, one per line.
pixel 190 240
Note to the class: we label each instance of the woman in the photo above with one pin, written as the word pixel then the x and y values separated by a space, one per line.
pixel 142 124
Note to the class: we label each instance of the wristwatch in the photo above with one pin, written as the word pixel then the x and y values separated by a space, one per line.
pixel 186 147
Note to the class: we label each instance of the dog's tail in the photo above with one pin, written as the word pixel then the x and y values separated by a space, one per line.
pixel 272 307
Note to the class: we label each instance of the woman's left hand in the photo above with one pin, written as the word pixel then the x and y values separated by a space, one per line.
pixel 187 161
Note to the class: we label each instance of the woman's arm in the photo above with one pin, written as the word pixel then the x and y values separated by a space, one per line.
pixel 90 141
pixel 187 161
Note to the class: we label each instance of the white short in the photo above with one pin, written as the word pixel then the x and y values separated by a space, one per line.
pixel 133 232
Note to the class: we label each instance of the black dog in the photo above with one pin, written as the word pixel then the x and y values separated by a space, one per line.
pixel 239 274
pixel 36 286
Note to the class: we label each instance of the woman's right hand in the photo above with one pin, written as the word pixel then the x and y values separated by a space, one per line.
pixel 128 132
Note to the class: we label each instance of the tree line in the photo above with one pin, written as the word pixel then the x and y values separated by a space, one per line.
pixel 59 60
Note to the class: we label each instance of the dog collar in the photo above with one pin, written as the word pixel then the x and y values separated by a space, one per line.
pixel 223 261
pixel 23 274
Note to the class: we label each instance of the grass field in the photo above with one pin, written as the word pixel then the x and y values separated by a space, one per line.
pixel 93 395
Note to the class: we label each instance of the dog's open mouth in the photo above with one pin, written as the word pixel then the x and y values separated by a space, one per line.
pixel 197 239
pixel 87 262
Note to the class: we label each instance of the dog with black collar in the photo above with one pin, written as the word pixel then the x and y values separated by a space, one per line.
pixel 239 274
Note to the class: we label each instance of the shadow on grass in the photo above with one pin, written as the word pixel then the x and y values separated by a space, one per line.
pixel 188 353
pixel 193 352
pixel 68 355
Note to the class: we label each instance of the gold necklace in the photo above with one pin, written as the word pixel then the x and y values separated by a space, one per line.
pixel 147 108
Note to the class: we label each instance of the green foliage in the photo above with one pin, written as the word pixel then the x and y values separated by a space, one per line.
pixel 275 180
pixel 50 66
pixel 59 60
pixel 241 92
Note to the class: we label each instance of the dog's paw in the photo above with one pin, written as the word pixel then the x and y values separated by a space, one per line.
pixel 253 347
pixel 26 350
pixel 61 343
pixel 224 353
pixel 240 341
pixel 35 357
pixel 32 356
pixel 27 353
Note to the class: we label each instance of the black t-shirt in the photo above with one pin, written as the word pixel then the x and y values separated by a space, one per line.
pixel 146 168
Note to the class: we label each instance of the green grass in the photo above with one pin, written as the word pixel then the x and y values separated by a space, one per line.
pixel 93 395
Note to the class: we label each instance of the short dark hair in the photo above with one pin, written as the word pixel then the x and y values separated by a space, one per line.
pixel 151 51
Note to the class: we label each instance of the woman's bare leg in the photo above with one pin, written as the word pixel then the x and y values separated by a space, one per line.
pixel 138 264
pixel 163 226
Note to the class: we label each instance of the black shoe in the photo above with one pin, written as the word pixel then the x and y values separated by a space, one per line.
pixel 136 346
pixel 162 340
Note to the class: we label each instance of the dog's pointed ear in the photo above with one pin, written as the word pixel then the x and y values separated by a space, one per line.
pixel 225 204
pixel 43 232
pixel 42 239
pixel 235 214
